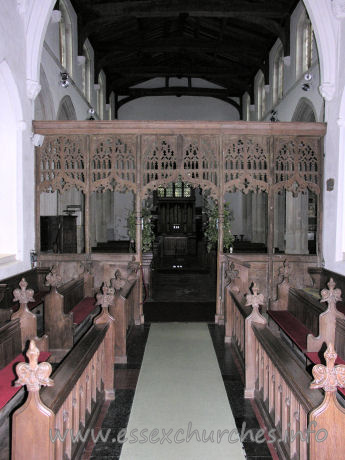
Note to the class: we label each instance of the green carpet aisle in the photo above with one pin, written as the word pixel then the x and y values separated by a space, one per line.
pixel 180 388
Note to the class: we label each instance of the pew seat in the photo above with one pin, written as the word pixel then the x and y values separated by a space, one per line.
pixel 8 376
pixel 292 327
pixel 83 309
pixel 68 314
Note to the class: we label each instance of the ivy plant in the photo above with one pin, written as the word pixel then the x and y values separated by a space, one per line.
pixel 211 231
pixel 147 234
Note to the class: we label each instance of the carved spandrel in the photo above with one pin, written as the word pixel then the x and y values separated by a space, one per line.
pixel 53 279
pixel 329 377
pixel 32 374
pixel 23 295
pixel 331 295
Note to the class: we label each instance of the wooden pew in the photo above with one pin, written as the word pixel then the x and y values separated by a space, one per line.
pixel 279 383
pixel 27 320
pixel 10 397
pixel 126 311
pixel 305 320
pixel 36 280
pixel 67 312
pixel 73 397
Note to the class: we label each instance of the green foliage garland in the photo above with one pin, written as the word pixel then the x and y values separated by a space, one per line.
pixel 211 231
pixel 147 233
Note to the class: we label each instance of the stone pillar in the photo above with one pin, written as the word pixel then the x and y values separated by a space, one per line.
pixel 247 216
pixel 279 221
pixel 259 217
pixel 296 236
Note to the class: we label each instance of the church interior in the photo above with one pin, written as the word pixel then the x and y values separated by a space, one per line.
pixel 172 241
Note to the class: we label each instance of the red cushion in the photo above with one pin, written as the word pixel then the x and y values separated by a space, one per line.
pixel 315 358
pixel 292 327
pixel 8 376
pixel 83 309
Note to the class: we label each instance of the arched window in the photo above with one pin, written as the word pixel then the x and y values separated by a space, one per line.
pixel 86 73
pixel 304 45
pixel 111 106
pixel 66 54
pixel 101 95
pixel 246 107
pixel 278 76
pixel 260 95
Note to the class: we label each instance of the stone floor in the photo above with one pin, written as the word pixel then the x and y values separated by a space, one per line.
pixel 116 414
pixel 173 287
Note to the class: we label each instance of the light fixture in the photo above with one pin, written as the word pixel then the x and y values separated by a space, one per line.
pixel 64 81
pixel 274 116
pixel 91 112
pixel 308 77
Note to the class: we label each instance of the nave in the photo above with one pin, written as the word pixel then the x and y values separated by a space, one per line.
pixel 238 410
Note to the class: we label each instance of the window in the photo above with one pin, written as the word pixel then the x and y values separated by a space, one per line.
pixel 86 73
pixel 260 96
pixel 246 107
pixel 175 190
pixel 66 57
pixel 304 45
pixel 278 75
pixel 101 95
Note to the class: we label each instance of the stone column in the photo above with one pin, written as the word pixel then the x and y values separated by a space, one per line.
pixel 296 236
pixel 279 221
pixel 259 217
pixel 247 216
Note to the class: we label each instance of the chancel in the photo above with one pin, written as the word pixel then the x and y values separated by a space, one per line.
pixel 172 251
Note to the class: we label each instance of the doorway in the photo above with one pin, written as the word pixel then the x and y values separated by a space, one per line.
pixel 183 281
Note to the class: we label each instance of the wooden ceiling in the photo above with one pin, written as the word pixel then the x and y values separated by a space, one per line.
pixel 222 41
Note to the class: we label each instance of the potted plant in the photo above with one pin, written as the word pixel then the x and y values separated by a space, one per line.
pixel 211 231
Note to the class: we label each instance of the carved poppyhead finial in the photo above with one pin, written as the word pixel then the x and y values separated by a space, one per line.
pixel 53 278
pixel 23 295
pixel 133 265
pixel 329 377
pixel 331 295
pixel 117 282
pixel 284 270
pixel 107 297
pixel 32 374
pixel 255 299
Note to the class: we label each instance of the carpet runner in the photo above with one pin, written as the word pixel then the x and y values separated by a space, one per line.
pixel 180 408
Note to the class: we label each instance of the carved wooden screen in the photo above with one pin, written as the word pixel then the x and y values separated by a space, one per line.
pixel 141 156
pixel 112 162
pixel 62 163
pixel 297 164
pixel 195 159
pixel 246 163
